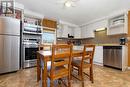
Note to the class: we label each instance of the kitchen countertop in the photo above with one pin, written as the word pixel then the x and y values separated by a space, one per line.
pixel 104 45
pixel 108 45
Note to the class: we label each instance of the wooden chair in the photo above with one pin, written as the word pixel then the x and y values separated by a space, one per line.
pixel 86 61
pixel 44 47
pixel 41 64
pixel 60 69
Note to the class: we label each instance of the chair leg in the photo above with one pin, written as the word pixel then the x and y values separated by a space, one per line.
pixel 71 71
pixel 80 73
pixel 72 68
pixel 82 78
pixel 51 83
pixel 91 74
pixel 69 81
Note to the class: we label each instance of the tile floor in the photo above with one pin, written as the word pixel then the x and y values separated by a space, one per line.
pixel 103 77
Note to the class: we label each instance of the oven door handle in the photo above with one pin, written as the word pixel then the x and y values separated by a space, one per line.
pixel 30 47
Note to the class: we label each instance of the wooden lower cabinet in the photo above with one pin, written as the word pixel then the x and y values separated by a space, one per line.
pixel 129 53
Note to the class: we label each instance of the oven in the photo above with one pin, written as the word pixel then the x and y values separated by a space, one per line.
pixel 31 37
pixel 30 54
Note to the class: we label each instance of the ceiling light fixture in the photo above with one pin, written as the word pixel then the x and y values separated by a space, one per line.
pixel 68 4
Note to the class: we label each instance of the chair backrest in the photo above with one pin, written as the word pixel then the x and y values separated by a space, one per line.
pixel 44 47
pixel 58 52
pixel 88 54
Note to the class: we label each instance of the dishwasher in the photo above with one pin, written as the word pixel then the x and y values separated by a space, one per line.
pixel 112 56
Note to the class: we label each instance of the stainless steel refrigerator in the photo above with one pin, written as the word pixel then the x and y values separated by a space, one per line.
pixel 9 44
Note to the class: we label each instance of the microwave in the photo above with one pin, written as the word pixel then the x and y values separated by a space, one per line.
pixel 29 28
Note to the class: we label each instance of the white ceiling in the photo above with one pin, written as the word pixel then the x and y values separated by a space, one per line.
pixel 85 11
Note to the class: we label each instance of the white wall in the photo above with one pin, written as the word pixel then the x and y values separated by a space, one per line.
pixel 18 5
pixel 106 17
pixel 28 12
pixel 67 23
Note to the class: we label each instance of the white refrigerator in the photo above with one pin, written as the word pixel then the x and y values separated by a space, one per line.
pixel 9 44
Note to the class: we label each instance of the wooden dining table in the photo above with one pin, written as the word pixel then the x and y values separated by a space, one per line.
pixel 43 57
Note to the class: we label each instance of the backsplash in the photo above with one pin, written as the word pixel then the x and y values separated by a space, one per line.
pixel 68 41
pixel 101 37
pixel 61 41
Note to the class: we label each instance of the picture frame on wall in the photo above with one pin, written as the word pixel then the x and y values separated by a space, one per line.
pixel 7 7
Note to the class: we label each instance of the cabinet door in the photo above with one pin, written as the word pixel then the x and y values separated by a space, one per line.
pixel 98 55
pixel 115 30
pixel 90 28
pixel 70 30
pixel 90 31
pixel 99 24
pixel 108 57
pixel 66 31
pixel 118 27
pixel 49 23
pixel 117 57
pixel 77 33
pixel 87 32
pixel 59 31
pixel 83 31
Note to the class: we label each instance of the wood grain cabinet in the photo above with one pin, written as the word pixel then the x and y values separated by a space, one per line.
pixel 49 23
pixel 128 40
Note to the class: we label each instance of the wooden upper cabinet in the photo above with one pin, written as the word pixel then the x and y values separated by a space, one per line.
pixel 129 36
pixel 49 23
pixel 128 23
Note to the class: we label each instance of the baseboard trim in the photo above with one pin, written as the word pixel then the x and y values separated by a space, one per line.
pixel 96 63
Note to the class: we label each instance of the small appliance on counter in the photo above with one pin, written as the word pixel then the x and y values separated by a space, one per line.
pixel 77 42
pixel 70 36
pixel 123 41
pixel 70 42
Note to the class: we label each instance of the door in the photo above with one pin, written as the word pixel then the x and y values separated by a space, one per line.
pixel 9 53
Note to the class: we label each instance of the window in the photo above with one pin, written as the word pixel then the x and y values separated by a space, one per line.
pixel 48 37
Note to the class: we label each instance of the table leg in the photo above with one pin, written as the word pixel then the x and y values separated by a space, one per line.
pixel 44 74
pixel 38 67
